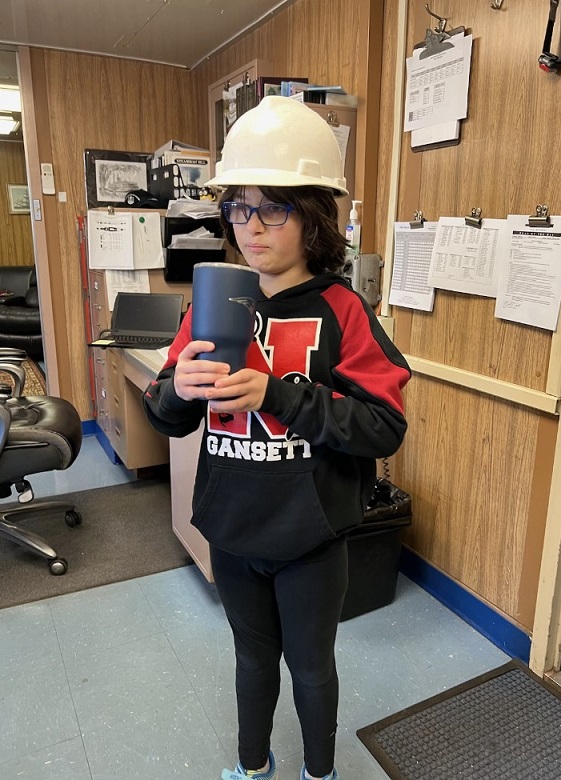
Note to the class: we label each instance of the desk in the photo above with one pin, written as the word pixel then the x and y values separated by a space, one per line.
pixel 140 367
pixel 130 435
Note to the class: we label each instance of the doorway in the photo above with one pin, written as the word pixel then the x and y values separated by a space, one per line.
pixel 20 320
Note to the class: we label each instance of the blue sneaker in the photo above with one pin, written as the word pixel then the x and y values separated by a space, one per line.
pixel 240 773
pixel 332 776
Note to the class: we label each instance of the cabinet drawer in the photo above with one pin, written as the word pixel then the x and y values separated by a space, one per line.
pixel 115 370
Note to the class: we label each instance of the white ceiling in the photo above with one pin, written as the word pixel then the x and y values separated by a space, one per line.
pixel 175 32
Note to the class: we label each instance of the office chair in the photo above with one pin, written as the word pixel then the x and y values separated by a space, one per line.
pixel 37 434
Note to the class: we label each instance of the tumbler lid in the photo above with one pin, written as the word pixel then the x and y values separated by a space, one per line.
pixel 226 265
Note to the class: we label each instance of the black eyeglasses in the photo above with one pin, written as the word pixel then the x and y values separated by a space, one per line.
pixel 270 214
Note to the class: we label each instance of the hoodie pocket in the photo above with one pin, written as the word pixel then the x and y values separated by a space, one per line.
pixel 271 516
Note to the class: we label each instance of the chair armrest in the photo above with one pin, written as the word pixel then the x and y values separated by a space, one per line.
pixel 18 375
pixel 13 300
pixel 5 421
pixel 12 355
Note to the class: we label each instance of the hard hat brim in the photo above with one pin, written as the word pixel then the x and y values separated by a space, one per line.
pixel 257 177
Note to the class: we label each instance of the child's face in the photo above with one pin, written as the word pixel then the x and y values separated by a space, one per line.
pixel 273 251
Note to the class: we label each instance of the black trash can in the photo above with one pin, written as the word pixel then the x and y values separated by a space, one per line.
pixel 374 550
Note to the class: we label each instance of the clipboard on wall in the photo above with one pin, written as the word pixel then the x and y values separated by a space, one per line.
pixel 423 93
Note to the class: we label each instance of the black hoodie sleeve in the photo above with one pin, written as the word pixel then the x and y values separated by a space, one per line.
pixel 362 413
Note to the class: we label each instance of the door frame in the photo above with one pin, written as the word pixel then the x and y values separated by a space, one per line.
pixel 38 226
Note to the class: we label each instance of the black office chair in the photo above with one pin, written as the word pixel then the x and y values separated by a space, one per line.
pixel 37 433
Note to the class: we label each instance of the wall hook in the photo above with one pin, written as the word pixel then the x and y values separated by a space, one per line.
pixel 437 40
pixel 496 5
pixel 441 21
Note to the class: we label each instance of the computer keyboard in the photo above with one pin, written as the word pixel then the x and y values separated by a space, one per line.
pixel 141 342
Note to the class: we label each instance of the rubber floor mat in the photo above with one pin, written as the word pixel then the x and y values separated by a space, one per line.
pixel 504 725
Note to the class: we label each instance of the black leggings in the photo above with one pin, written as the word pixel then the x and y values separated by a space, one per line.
pixel 290 607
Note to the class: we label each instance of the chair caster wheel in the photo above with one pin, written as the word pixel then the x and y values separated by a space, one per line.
pixel 73 518
pixel 58 566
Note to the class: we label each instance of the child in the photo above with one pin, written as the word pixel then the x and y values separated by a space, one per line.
pixel 287 463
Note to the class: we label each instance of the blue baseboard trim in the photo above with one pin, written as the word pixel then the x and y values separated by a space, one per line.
pixel 89 427
pixel 496 628
pixel 106 446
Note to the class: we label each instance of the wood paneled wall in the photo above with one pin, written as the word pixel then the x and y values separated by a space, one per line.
pixel 16 241
pixel 314 38
pixel 97 103
pixel 105 103
pixel 479 468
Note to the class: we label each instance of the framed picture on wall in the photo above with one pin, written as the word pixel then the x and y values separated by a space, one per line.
pixel 110 175
pixel 18 198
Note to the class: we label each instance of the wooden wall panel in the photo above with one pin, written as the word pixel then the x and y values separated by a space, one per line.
pixel 478 468
pixel 16 241
pixel 499 166
pixel 107 103
pixel 323 40
pixel 469 463
pixel 313 38
pixel 101 103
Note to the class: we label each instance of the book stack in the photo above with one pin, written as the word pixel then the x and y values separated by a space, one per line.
pixel 272 85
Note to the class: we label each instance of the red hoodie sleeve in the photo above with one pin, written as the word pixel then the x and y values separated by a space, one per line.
pixel 362 413
pixel 166 411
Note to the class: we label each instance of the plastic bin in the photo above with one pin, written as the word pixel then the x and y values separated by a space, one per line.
pixel 374 551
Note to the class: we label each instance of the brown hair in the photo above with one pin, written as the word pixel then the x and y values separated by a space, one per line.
pixel 324 246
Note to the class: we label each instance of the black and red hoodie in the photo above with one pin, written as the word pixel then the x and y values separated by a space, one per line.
pixel 278 482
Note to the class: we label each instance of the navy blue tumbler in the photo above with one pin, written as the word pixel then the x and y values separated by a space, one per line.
pixel 224 301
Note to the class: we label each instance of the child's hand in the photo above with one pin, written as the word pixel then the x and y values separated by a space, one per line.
pixel 243 391
pixel 192 377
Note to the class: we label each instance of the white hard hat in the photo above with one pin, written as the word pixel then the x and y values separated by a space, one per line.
pixel 281 143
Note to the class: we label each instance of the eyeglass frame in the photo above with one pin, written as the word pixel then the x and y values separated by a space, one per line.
pixel 256 209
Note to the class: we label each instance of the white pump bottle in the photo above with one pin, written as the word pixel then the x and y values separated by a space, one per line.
pixel 352 231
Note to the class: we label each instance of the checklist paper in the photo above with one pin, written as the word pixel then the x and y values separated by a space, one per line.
pixel 465 258
pixel 411 261
pixel 530 281
pixel 437 86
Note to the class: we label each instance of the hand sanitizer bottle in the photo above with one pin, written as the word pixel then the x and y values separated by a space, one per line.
pixel 352 231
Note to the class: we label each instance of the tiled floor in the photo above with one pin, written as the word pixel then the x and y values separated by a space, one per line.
pixel 135 679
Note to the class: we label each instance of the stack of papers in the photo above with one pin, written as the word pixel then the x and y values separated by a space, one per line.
pixel 197 239
pixel 196 209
